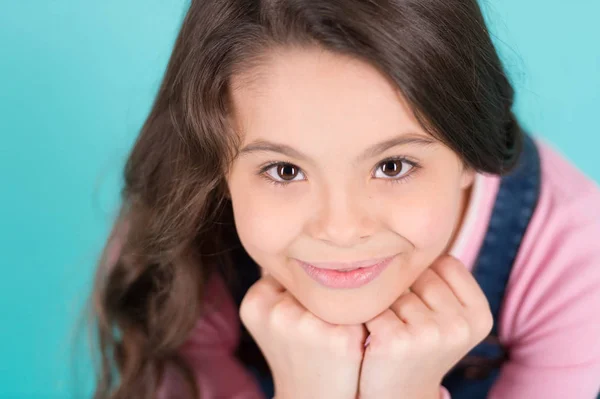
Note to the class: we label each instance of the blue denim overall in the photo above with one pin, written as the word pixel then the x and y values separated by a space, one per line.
pixel 474 375
pixel 517 198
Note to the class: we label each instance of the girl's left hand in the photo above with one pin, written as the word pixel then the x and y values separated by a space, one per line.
pixel 415 342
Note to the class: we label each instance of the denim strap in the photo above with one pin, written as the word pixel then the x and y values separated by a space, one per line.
pixel 515 203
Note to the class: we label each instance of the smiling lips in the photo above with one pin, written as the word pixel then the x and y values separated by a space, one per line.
pixel 346 275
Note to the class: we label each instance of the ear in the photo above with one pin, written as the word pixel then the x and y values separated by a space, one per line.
pixel 467 178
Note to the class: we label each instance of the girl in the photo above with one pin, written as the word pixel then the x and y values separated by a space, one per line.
pixel 347 176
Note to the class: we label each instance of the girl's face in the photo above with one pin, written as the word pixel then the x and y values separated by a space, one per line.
pixel 334 167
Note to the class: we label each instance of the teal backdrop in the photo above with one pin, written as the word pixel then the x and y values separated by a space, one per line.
pixel 77 79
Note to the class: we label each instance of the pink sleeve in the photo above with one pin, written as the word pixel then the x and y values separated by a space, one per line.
pixel 551 316
pixel 209 350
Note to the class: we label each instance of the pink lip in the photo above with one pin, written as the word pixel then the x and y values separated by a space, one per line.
pixel 330 274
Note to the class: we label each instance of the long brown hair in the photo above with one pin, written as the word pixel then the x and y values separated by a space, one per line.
pixel 175 225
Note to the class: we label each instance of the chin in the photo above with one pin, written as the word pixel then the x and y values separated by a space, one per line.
pixel 345 315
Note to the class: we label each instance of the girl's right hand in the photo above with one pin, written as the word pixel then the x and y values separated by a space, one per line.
pixel 308 357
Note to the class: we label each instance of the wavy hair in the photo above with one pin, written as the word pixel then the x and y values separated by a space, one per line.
pixel 175 225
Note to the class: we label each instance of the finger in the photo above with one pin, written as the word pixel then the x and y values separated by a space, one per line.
pixel 289 311
pixel 435 292
pixel 384 324
pixel 411 310
pixel 460 281
pixel 270 285
pixel 260 299
pixel 366 335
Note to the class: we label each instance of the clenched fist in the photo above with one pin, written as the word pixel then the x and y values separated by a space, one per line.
pixel 425 332
pixel 309 358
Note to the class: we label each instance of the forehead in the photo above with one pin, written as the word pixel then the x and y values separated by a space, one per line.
pixel 301 95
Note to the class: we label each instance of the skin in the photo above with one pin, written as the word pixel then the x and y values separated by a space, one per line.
pixel 345 203
pixel 411 346
pixel 332 109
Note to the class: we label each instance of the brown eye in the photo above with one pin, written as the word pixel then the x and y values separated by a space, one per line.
pixel 284 173
pixel 287 171
pixel 393 169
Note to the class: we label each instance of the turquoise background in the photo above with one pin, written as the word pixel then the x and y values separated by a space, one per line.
pixel 76 81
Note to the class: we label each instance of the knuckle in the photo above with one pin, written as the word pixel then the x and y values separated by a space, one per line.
pixel 308 327
pixel 408 301
pixel 399 343
pixel 459 331
pixel 342 339
pixel 486 322
pixel 459 327
pixel 250 308
pixel 430 333
pixel 381 327
pixel 483 321
pixel 410 304
pixel 450 261
pixel 481 318
pixel 428 279
pixel 281 317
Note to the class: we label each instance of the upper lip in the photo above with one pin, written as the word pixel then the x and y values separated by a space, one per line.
pixel 347 265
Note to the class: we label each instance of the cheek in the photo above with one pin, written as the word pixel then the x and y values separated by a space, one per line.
pixel 266 223
pixel 426 217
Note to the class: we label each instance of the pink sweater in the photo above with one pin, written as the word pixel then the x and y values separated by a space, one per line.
pixel 550 319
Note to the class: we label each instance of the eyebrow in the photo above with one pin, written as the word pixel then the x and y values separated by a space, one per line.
pixel 374 150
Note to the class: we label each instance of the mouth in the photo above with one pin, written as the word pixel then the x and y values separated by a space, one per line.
pixel 347 266
pixel 346 275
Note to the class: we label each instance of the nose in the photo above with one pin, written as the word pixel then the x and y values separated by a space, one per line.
pixel 342 218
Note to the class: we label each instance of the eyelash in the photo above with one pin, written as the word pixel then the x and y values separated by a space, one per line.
pixel 415 167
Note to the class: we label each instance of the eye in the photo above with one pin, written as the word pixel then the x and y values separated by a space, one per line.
pixel 395 169
pixel 284 172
